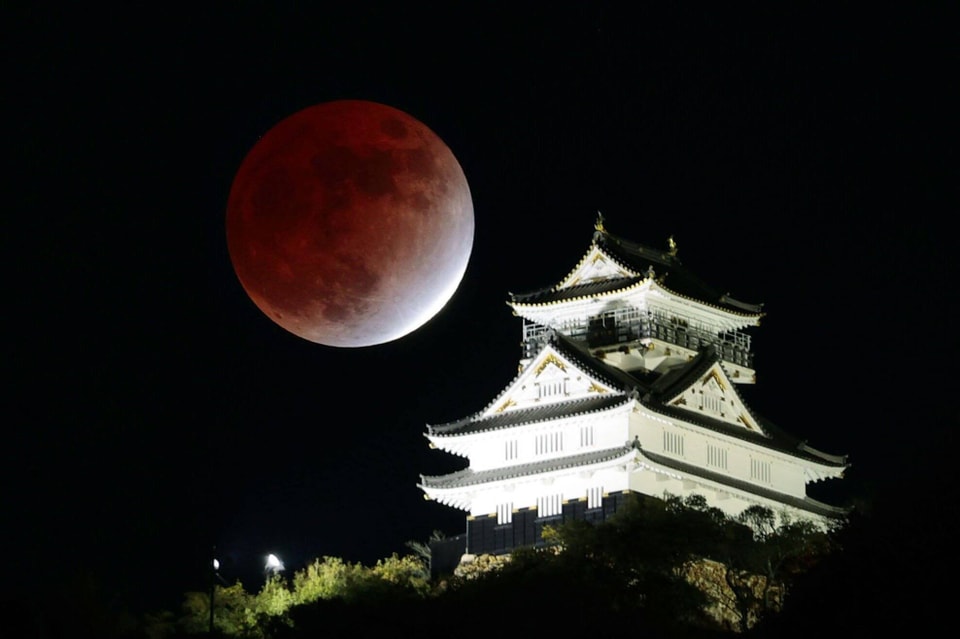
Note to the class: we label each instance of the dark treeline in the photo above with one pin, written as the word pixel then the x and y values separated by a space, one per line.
pixel 881 570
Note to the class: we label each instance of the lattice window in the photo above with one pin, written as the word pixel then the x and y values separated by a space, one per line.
pixel 586 436
pixel 554 388
pixel 505 513
pixel 548 443
pixel 712 403
pixel 673 443
pixel 549 505
pixel 716 456
pixel 510 449
pixel 760 470
pixel 594 497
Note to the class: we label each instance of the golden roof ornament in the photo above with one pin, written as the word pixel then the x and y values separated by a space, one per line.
pixel 598 225
pixel 672 245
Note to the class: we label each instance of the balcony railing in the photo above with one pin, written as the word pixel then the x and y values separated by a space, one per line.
pixel 733 346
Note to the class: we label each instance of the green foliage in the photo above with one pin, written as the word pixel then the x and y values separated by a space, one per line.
pixel 270 613
pixel 630 573
pixel 761 554
pixel 234 612
pixel 195 612
pixel 407 574
pixel 324 579
pixel 159 625
pixel 635 558
pixel 640 559
pixel 271 605
pixel 422 549
pixel 392 577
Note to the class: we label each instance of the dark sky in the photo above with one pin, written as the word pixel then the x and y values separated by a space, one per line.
pixel 798 155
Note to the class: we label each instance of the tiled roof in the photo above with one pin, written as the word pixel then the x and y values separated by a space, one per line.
pixel 587 289
pixel 803 503
pixel 578 353
pixel 546 412
pixel 678 278
pixel 469 477
pixel 653 395
pixel 639 259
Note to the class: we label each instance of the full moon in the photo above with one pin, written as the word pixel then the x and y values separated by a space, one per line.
pixel 350 224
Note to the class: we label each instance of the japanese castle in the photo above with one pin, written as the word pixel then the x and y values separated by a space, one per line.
pixel 628 383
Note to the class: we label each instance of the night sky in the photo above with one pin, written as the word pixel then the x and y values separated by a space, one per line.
pixel 799 156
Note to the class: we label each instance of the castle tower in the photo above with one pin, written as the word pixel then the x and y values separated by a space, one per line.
pixel 628 382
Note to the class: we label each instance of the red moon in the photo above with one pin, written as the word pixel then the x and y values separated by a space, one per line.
pixel 350 224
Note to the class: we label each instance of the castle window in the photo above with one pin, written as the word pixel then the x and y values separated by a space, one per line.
pixel 510 449
pixel 602 330
pixel 673 443
pixel 548 443
pixel 594 497
pixel 716 456
pixel 760 470
pixel 586 436
pixel 549 505
pixel 711 403
pixel 504 514
pixel 555 388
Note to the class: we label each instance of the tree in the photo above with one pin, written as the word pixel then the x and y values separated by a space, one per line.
pixel 325 584
pixel 324 578
pixel 623 572
pixel 234 613
pixel 760 555
pixel 271 605
pixel 421 549
pixel 407 574
pixel 676 559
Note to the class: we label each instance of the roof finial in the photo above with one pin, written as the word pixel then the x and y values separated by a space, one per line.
pixel 672 245
pixel 599 223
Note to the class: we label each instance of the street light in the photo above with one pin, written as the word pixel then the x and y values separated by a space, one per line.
pixel 274 565
pixel 214 576
pixel 214 567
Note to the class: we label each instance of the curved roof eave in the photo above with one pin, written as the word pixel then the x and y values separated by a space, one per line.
pixel 469 477
pixel 778 443
pixel 523 416
pixel 805 503
pixel 627 253
pixel 610 288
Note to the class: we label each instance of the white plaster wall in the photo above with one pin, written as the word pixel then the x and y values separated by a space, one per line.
pixel 524 492
pixel 786 475
pixel 488 450
pixel 657 485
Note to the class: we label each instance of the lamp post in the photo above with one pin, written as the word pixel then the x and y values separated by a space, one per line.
pixel 214 567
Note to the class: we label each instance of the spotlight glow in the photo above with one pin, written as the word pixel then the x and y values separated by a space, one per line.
pixel 274 564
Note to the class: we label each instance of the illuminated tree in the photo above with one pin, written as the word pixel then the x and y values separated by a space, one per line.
pixel 324 579
pixel 235 612
pixel 762 555
pixel 272 603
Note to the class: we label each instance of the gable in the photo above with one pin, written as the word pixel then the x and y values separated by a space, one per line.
pixel 712 394
pixel 549 378
pixel 596 265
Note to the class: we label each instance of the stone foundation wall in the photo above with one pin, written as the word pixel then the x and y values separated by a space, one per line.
pixel 472 566
pixel 707 575
pixel 711 578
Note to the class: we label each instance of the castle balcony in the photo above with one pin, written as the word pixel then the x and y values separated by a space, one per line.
pixel 611 331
